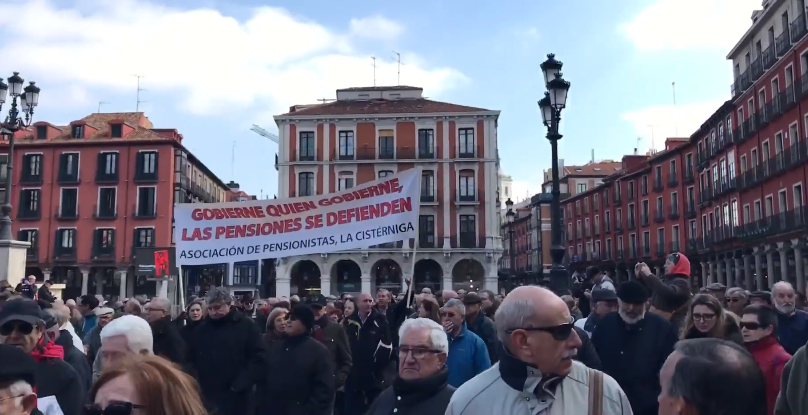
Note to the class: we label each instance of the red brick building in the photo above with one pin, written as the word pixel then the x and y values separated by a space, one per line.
pixel 87 194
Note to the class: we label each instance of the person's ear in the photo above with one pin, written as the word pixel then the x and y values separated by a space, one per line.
pixel 29 404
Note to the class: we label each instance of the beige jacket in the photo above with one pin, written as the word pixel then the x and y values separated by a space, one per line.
pixel 488 393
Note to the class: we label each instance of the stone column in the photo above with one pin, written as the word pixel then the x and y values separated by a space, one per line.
pixel 447 283
pixel 366 289
pixel 783 248
pixel 728 262
pixel 747 272
pixel 230 267
pixel 759 280
pixel 711 273
pixel 719 270
pixel 283 286
pixel 85 280
pixel 770 265
pixel 739 269
pixel 799 267
pixel 122 286
pixel 325 285
pixel 704 274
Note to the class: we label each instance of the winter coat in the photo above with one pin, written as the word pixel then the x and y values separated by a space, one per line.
pixel 669 294
pixel 229 358
pixel 44 294
pixel 76 359
pixel 371 350
pixel 792 331
pixel 300 378
pixel 587 353
pixel 93 342
pixel 333 336
pixel 187 331
pixel 484 328
pixel 56 378
pixel 468 357
pixel 168 343
pixel 428 396
pixel 634 354
pixel 771 359
pixel 261 321
pixel 88 323
pixel 792 399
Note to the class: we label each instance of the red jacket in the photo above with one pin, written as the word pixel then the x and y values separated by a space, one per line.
pixel 771 358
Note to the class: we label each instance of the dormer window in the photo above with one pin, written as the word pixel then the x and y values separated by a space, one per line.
pixel 41 132
pixel 77 131
pixel 116 131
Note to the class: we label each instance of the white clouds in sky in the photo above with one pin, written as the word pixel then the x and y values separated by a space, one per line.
pixel 669 121
pixel 211 63
pixel 690 24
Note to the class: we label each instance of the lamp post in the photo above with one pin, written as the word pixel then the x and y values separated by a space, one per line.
pixel 554 101
pixel 20 115
pixel 510 215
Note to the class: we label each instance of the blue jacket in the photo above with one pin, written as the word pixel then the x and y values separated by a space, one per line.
pixel 792 331
pixel 467 358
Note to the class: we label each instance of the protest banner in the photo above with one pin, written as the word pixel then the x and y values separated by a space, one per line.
pixel 373 213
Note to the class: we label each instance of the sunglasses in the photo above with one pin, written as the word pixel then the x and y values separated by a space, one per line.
pixel 749 325
pixel 18 326
pixel 561 332
pixel 117 408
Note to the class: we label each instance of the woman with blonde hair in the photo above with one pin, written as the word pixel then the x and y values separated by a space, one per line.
pixel 707 318
pixel 276 325
pixel 145 385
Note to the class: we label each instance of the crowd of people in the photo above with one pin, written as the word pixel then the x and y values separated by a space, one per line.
pixel 645 346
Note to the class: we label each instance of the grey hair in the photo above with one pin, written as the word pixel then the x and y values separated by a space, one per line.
pixel 455 303
pixel 161 302
pixel 738 290
pixel 219 295
pixel 20 390
pixel 513 315
pixel 437 335
pixel 60 316
pixel 782 284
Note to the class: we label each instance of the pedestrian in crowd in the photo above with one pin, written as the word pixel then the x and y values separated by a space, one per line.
pixel 706 318
pixel 44 293
pixel 371 351
pixel 17 382
pixel 736 299
pixel 759 328
pixel 671 293
pixel 121 337
pixel 276 325
pixel 145 385
pixel 22 325
pixel 133 307
pixel 586 353
pixel 92 341
pixel 333 337
pixel 67 326
pixel 168 343
pixel 428 308
pixel 482 326
pixel 86 307
pixel 594 279
pixel 602 301
pixel 55 319
pixel 262 310
pixel 792 324
pixel 761 297
pixel 300 374
pixel 489 304
pixel 27 287
pixel 349 308
pixel 468 354
pixel 717 290
pixel 194 315
pixel 447 295
pixel 421 387
pixel 5 286
pixel 335 315
pixel 632 345
pixel 537 374
pixel 711 376
pixel 228 356
pixel 572 304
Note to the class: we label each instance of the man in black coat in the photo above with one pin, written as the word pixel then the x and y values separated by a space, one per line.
pixel 228 356
pixel 168 343
pixel 482 326
pixel 333 336
pixel 44 293
pixel 300 376
pixel 633 345
pixel 55 319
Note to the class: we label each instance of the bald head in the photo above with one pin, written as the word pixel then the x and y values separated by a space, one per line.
pixel 448 295
pixel 528 306
pixel 364 304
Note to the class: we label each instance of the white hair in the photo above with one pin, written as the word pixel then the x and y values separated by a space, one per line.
pixel 137 331
pixel 782 284
pixel 437 335
pixel 20 390
pixel 455 303
pixel 511 315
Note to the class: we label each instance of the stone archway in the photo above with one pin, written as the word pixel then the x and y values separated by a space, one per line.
pixel 346 277
pixel 428 274
pixel 468 274
pixel 305 278
pixel 386 273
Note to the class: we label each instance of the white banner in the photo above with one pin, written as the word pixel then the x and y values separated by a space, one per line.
pixel 373 213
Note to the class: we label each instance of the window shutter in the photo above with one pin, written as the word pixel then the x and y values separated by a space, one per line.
pixel 96 241
pixel 139 163
pixel 135 240
pixel 57 242
pixel 156 163
pixel 101 165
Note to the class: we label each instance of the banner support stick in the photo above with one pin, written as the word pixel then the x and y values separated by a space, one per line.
pixel 412 266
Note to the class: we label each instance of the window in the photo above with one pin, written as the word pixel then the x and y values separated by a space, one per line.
pixel 107 203
pixel 631 190
pixel 345 181
pixel 733 206
pixel 693 230
pixel 689 164
pixel 731 165
pixel 467 188
pixel 305 185
pixel 146 166
pixel 658 177
pixel 632 245
pixel 586 206
pixel 146 202
pixel 116 130
pixel 587 228
pixel 743 163
pixel 426 143
pixel 644 185
pixel 675 239
pixel 468 231
pixel 3 167
pixel 646 243
pixel 32 237
pixel 607 218
pixel 306 147
pixel 144 238
pixel 68 203
pixel 466 142
pixel 798 196
pixel 428 186
pixel 746 214
pixel 29 204
pixel 645 212
pixel 104 242
pixel 782 201
pixel 769 206
pixel 595 201
pixel 32 168
pixel 65 242
pixel 631 217
pixel 659 211
pixel 758 213
pixel 426 231
pixel 41 132
pixel 581 187
pixel 385 173
pixel 597 224
pixel 387 145
pixel 569 231
pixel 107 169
pixel 346 145
pixel 68 168
pixel 672 170
pixel 660 238
pixel 77 131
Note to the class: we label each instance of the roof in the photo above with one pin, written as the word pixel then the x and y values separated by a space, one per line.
pixel 383 106
pixel 603 168
pixel 381 88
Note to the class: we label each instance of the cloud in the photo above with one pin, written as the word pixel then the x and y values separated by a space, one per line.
pixel 376 27
pixel 212 64
pixel 662 121
pixel 524 190
pixel 690 24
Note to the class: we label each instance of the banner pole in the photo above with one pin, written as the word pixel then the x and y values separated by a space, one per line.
pixel 414 245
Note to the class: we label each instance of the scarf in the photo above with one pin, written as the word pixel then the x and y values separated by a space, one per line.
pixel 45 349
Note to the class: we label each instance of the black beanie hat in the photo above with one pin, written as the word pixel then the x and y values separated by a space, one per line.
pixel 632 292
pixel 304 314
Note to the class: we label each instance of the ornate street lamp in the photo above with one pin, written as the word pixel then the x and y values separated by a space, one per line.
pixel 510 215
pixel 20 116
pixel 554 101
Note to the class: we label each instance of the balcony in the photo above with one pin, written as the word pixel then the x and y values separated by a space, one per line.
pixel 32 254
pixel 769 57
pixel 426 153
pixel 308 155
pixel 658 187
pixel 150 213
pixel 466 153
pixel 631 195
pixel 646 251
pixel 103 253
pixel 757 69
pixel 27 178
pixel 794 220
pixel 782 44
pixel 673 181
pixel 632 224
pixel 618 228
pixel 467 197
pixel 104 213
pixel 65 178
pixel 797 28
pixel 746 80
pixel 103 177
pixel 426 240
pixel 644 220
pixel 690 213
pixel 428 198
pixel 674 213
pixel 778 103
pixel 66 213
pixel 659 218
pixel 692 245
pixel 146 177
pixel 619 254
pixel 349 153
pixel 468 240
pixel 617 200
pixel 63 254
pixel 27 214
pixel 689 178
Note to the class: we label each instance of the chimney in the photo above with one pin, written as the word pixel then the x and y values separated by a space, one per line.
pixel 635 151
pixel 233 186
pixel 593 156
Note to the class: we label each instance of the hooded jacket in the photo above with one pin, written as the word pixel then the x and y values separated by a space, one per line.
pixel 57 378
pixel 671 293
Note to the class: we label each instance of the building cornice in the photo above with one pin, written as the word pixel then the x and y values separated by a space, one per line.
pixel 762 17
pixel 291 118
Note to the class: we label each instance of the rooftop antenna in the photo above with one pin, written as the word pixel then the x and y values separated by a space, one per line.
pixel 233 162
pixel 139 90
pixel 398 61
pixel 100 103
pixel 636 149
pixel 325 100
pixel 651 126
pixel 374 70
pixel 675 118
pixel 593 156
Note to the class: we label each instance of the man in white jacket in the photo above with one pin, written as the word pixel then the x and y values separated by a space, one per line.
pixel 536 374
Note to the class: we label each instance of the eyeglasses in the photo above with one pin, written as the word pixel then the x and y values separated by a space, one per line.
pixel 448 314
pixel 417 352
pixel 703 317
pixel 733 300
pixel 749 325
pixel 18 326
pixel 117 408
pixel 561 332
pixel 11 397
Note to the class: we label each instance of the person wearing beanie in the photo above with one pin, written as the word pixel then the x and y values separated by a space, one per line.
pixel 671 293
pixel 300 373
